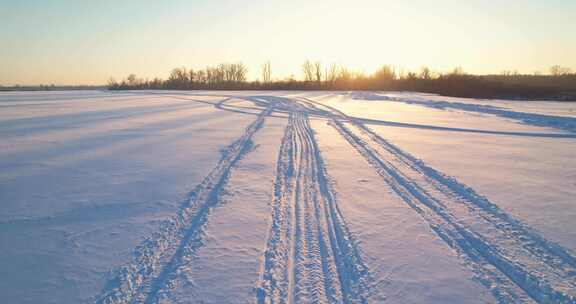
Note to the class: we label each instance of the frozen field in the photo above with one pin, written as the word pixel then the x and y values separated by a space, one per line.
pixel 285 197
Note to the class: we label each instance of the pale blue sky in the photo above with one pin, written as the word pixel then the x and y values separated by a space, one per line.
pixel 86 42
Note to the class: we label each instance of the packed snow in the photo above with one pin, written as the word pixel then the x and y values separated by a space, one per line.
pixel 285 197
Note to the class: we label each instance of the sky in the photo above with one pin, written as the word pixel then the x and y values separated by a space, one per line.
pixel 87 42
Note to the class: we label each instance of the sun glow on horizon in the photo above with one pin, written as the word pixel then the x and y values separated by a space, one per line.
pixel 75 43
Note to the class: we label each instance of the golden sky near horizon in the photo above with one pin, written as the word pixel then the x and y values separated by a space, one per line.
pixel 80 42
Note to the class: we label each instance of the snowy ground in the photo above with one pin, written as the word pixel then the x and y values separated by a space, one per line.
pixel 285 197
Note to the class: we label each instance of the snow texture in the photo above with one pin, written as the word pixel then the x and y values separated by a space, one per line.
pixel 285 197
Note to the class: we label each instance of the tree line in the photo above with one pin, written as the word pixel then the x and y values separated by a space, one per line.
pixel 222 76
pixel 559 83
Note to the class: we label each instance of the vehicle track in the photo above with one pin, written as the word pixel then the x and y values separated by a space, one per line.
pixel 156 259
pixel 512 261
pixel 541 120
pixel 310 255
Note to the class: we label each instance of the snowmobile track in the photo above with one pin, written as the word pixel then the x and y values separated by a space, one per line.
pixel 311 256
pixel 157 258
pixel 512 261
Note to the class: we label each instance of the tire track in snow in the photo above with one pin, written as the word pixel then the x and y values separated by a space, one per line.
pixel 541 120
pixel 155 260
pixel 550 253
pixel 310 255
pixel 514 263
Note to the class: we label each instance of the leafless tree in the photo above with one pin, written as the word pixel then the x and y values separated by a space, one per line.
pixel 112 82
pixel 192 78
pixel 385 73
pixel 411 76
pixel 457 71
pixel 179 78
pixel 308 70
pixel 201 77
pixel 266 73
pixel 558 70
pixel 318 71
pixel 225 75
pixel 240 72
pixel 331 74
pixel 557 84
pixel 425 73
pixel 131 79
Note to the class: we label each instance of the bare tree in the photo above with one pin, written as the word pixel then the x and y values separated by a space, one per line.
pixel 201 77
pixel 266 73
pixel 331 74
pixel 112 82
pixel 224 75
pixel 308 70
pixel 457 71
pixel 318 72
pixel 179 78
pixel 191 75
pixel 558 70
pixel 425 73
pixel 411 76
pixel 385 73
pixel 240 72
pixel 131 79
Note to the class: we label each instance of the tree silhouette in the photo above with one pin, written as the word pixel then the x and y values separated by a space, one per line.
pixel 560 84
pixel 308 70
pixel 266 73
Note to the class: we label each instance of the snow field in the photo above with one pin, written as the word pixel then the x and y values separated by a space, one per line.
pixel 285 197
